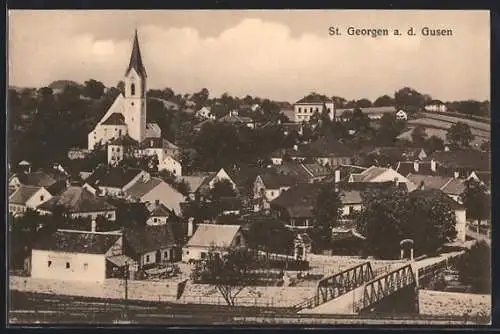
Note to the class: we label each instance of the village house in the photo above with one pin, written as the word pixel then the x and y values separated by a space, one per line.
pixel 158 214
pixel 269 186
pixel 127 114
pixel 171 165
pixel 75 255
pixel 436 106
pixel 373 113
pixel 150 246
pixel 121 148
pixel 77 153
pixel 306 107
pixel 212 238
pixel 461 163
pixel 401 115
pixel 380 174
pixel 310 172
pixel 113 181
pixel 53 180
pixel 451 186
pixel 330 152
pixel 79 202
pixel 234 118
pixel 482 177
pixel 205 113
pixel 154 190
pixel 27 197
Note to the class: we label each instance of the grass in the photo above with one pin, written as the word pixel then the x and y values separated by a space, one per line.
pixel 455 304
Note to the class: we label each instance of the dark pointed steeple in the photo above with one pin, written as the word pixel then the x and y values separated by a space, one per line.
pixel 136 59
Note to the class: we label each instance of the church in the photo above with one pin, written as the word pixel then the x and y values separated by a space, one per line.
pixel 127 114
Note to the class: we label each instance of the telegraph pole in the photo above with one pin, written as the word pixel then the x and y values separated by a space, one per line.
pixel 126 289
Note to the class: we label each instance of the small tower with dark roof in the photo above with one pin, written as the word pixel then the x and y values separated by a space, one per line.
pixel 135 94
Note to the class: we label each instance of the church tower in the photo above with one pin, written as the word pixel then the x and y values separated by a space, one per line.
pixel 135 94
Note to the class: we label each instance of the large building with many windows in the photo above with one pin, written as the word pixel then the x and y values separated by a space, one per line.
pixel 306 107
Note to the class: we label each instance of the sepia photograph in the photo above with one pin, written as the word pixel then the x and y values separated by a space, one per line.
pixel 248 167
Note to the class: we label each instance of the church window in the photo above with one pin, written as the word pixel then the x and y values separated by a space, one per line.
pixel 132 89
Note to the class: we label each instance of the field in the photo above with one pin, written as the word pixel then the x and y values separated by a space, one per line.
pixel 450 119
pixel 438 128
pixel 450 303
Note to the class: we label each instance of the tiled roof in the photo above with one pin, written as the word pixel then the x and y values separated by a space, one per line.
pixel 208 235
pixel 369 110
pixel 371 173
pixel 429 181
pixel 430 193
pixel 78 199
pixel 289 113
pixel 41 178
pixel 124 141
pixel 328 146
pixel 274 181
pixel 351 197
pixel 23 194
pixel 314 99
pixel 115 119
pixel 159 210
pixel 230 118
pixel 477 160
pixel 112 177
pixel 149 238
pixel 158 143
pixel 347 170
pixel 454 187
pixel 77 242
pixel 194 182
pixel 141 188
pixel 299 201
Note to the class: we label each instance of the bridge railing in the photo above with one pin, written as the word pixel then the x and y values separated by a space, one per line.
pixel 338 284
pixel 383 286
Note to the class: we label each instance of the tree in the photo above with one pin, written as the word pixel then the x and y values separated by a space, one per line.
pixel 474 268
pixel 476 201
pixel 409 99
pixel 230 273
pixel 431 219
pixel 390 128
pixel 359 121
pixel 433 144
pixel 460 134
pixel 93 89
pixel 363 103
pixel 384 101
pixel 418 136
pixel 327 211
pixel 380 220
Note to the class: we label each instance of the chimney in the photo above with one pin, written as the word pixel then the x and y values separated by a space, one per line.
pixel 337 176
pixel 93 225
pixel 415 166
pixel 190 227
pixel 456 174
pixel 433 165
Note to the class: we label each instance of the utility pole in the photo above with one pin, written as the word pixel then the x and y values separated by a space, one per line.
pixel 126 289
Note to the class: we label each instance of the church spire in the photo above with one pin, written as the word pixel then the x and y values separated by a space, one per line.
pixel 136 59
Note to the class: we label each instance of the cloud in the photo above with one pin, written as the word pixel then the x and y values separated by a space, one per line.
pixel 258 57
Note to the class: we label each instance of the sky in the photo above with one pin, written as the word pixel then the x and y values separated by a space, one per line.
pixel 279 54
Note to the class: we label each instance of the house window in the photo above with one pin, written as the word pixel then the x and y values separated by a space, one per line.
pixel 300 109
pixel 317 109
pixel 132 104
pixel 118 149
pixel 147 258
pixel 155 220
pixel 351 210
pixel 49 264
pixel 67 265
pixel 165 255
pixel 132 89
pixel 119 132
pixel 85 266
pixel 109 215
pixel 174 171
pixel 112 149
pixel 41 198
